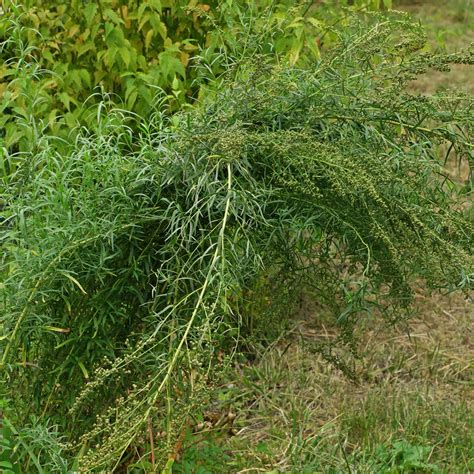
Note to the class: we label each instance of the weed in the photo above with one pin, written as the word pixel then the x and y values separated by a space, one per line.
pixel 129 261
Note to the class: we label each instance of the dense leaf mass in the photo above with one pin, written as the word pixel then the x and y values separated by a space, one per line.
pixel 128 261
pixel 58 60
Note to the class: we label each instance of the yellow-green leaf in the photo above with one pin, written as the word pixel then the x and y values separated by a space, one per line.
pixel 125 55
pixel 83 368
pixel 56 329
pixel 70 277
pixel 148 38
pixel 111 15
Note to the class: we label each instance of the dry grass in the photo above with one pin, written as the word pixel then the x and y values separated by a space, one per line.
pixel 412 383
pixel 413 387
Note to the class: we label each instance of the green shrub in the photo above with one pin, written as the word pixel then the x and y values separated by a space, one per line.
pixel 58 60
pixel 127 261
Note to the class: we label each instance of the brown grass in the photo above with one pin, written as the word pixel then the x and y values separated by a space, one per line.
pixel 425 366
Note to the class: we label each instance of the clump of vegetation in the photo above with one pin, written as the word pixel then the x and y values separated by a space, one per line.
pixel 128 262
pixel 59 60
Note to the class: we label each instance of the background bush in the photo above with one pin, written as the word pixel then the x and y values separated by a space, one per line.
pixel 60 61
pixel 56 56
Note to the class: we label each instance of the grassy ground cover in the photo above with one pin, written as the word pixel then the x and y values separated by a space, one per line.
pixel 408 409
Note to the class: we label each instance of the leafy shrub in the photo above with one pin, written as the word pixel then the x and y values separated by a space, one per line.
pixel 128 260
pixel 59 59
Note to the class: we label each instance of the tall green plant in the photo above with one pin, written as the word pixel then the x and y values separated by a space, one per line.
pixel 127 261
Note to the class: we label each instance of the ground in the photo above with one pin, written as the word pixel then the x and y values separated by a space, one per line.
pixel 409 407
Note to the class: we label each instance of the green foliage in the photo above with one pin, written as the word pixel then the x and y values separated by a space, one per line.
pixel 401 456
pixel 128 261
pixel 6 440
pixel 205 457
pixel 58 60
pixel 35 446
